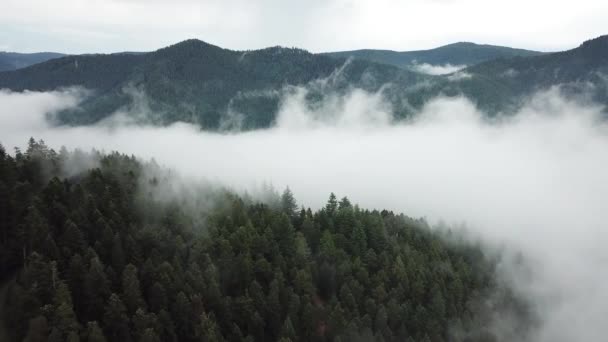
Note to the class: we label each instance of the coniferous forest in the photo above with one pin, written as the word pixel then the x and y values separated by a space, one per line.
pixel 90 252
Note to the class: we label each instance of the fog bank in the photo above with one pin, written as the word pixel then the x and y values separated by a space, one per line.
pixel 535 182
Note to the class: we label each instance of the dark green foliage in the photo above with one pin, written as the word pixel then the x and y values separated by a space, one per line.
pixel 130 267
pixel 94 333
pixel 193 81
pixel 288 203
pixel 131 289
pixel 116 320
pixel 196 82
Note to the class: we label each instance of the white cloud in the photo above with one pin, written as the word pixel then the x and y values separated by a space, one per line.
pixel 510 73
pixel 458 76
pixel 431 69
pixel 535 183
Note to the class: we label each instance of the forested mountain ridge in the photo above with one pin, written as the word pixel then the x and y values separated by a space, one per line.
pixel 98 257
pixel 197 82
pixel 502 84
pixel 200 83
pixel 13 60
pixel 462 53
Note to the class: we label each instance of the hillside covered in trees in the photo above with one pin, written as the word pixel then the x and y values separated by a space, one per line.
pixel 194 81
pixel 463 53
pixel 200 83
pixel 89 251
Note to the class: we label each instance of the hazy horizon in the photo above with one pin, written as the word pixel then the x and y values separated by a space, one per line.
pixel 132 25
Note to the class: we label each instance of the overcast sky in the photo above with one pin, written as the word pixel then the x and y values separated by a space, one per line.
pixel 79 26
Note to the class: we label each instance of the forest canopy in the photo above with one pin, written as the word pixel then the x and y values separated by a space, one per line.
pixel 90 252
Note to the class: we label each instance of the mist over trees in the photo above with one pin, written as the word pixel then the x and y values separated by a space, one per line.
pixel 196 82
pixel 95 256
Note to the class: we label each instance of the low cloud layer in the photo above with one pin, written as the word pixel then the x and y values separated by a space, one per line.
pixel 535 183
pixel 431 69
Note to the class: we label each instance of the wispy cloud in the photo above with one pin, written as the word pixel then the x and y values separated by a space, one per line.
pixel 430 69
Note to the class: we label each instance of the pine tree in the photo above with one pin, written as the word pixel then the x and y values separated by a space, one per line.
pixel 96 290
pixel 289 204
pixel 332 204
pixel 208 330
pixel 285 236
pixel 131 291
pixel 72 240
pixel 64 317
pixel 143 321
pixel 94 333
pixel 116 320
pixel 287 331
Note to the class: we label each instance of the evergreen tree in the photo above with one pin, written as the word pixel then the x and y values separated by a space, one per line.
pixel 131 291
pixel 116 320
pixel 332 204
pixel 287 331
pixel 94 333
pixel 72 240
pixel 96 290
pixel 289 204
pixel 64 317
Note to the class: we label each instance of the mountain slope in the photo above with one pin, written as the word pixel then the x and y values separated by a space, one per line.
pixel 462 53
pixel 119 250
pixel 13 60
pixel 198 82
pixel 502 84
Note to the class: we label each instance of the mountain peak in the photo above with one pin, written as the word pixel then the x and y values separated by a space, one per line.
pixel 460 44
pixel 192 43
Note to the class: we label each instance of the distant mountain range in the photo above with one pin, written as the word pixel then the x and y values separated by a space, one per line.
pixel 13 60
pixel 456 54
pixel 506 82
pixel 463 53
pixel 197 82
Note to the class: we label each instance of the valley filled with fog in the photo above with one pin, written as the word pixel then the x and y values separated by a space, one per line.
pixel 529 186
